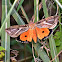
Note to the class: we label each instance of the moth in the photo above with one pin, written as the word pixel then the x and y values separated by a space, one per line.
pixel 27 32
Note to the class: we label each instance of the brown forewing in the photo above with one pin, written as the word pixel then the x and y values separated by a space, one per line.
pixel 16 30
pixel 49 22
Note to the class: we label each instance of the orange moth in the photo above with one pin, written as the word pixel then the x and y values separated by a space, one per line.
pixel 27 32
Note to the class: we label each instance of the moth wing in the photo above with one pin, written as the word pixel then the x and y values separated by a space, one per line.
pixel 42 32
pixel 49 22
pixel 16 30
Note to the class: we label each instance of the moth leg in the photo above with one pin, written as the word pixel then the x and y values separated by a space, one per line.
pixel 44 46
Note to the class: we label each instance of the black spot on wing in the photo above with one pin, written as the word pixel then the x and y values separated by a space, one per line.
pixel 18 40
pixel 51 31
pixel 42 31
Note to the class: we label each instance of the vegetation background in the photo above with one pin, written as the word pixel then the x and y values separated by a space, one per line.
pixel 20 12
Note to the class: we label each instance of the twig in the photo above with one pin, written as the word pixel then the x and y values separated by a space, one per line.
pixel 33 18
pixel 24 13
pixel 56 56
pixel 58 3
pixel 40 6
pixel 57 9
pixel 33 52
pixel 27 58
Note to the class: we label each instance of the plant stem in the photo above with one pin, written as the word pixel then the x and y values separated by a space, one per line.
pixel 6 19
pixel 51 39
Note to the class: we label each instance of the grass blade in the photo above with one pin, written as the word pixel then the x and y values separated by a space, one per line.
pixel 51 39
pixel 6 19
pixel 24 13
pixel 45 8
pixel 53 48
pixel 20 4
pixel 37 46
pixel 59 3
pixel 17 17
pixel 4 37
pixel 36 10
pixel 41 53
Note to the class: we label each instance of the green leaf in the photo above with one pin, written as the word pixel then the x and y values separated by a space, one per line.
pixel 59 48
pixel 20 3
pixel 57 38
pixel 57 42
pixel 1 48
pixel 1 54
pixel 57 35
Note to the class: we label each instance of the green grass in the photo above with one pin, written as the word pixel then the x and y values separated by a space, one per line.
pixel 36 10
pixel 24 13
pixel 51 39
pixel 5 24
pixel 17 17
pixel 37 47
pixel 5 39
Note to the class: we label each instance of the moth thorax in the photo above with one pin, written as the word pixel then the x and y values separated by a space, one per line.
pixel 32 25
